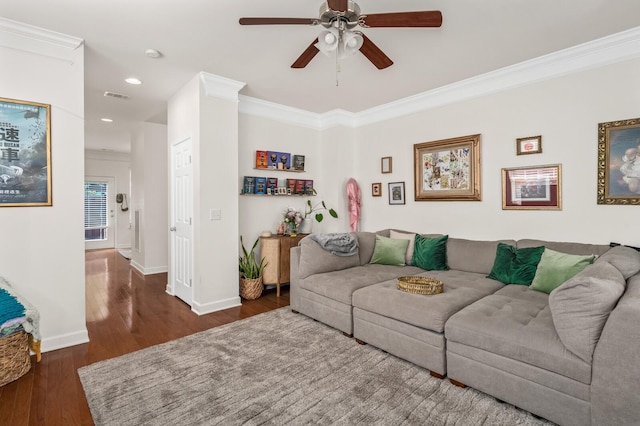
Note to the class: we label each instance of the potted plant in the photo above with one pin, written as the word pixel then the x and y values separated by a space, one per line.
pixel 250 272
pixel 309 215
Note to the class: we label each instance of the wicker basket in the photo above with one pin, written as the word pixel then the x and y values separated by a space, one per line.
pixel 250 289
pixel 15 361
pixel 420 285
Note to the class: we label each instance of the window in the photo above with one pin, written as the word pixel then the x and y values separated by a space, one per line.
pixel 96 211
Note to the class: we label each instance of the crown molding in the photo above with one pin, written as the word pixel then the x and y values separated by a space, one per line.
pixel 278 112
pixel 221 87
pixel 597 53
pixel 26 38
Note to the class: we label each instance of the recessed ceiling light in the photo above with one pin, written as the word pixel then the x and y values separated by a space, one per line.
pixel 133 80
pixel 152 53
pixel 107 120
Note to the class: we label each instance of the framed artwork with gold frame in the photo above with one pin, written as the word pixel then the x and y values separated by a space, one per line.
pixel 619 162
pixel 532 188
pixel 448 169
pixel 25 154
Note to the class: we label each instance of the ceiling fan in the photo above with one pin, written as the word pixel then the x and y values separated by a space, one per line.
pixel 339 17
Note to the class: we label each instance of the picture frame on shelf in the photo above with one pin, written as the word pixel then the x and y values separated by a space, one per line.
pixel 619 162
pixel 261 185
pixel 262 160
pixel 298 162
pixel 396 193
pixel 386 165
pixel 448 169
pixel 279 160
pixel 248 185
pixel 529 145
pixel 376 189
pixel 532 188
pixel 25 160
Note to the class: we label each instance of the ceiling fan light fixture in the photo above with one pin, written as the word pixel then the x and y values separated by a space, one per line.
pixel 351 42
pixel 328 40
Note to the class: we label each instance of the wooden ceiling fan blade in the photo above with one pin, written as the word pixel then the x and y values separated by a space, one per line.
pixel 374 54
pixel 278 21
pixel 306 57
pixel 338 5
pixel 431 18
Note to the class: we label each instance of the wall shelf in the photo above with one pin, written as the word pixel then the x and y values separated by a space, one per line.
pixel 271 169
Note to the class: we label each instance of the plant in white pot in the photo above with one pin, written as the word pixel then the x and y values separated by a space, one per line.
pixel 311 212
pixel 250 272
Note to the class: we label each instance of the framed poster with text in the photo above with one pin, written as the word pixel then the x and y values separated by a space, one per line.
pixel 25 154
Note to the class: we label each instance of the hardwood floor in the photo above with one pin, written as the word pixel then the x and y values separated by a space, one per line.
pixel 125 312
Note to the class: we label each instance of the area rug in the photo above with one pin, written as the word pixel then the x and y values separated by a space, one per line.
pixel 280 368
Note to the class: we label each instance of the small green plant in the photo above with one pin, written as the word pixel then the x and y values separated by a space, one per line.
pixel 249 266
pixel 310 208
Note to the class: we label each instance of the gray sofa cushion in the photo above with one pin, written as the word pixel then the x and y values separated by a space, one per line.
pixel 314 259
pixel 430 312
pixel 340 285
pixel 570 248
pixel 472 256
pixel 366 245
pixel 581 306
pixel 515 322
pixel 625 259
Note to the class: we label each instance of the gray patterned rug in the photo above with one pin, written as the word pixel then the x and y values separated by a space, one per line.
pixel 279 368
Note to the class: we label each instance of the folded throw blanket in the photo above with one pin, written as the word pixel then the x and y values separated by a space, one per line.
pixel 340 244
pixel 22 308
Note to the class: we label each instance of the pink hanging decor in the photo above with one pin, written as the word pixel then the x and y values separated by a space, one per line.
pixel 353 193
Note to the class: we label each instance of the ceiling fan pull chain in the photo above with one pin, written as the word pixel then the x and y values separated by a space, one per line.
pixel 337 69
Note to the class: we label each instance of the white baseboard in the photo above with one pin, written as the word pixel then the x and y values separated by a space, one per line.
pixel 64 341
pixel 149 271
pixel 219 305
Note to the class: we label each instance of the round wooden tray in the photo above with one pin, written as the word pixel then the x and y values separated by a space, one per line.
pixel 419 285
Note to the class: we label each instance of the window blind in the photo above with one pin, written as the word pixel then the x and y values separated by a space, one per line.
pixel 95 205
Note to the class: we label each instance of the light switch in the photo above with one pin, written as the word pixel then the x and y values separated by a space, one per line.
pixel 215 214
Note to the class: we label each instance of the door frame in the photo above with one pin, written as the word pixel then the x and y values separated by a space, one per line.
pixel 171 285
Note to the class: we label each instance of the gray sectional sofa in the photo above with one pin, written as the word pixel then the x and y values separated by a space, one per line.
pixel 541 352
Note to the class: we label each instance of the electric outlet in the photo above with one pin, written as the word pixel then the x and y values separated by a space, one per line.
pixel 215 214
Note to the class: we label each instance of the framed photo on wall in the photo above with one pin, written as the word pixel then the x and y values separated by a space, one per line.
pixel 396 193
pixel 619 162
pixel 532 188
pixel 529 145
pixel 386 165
pixel 448 169
pixel 376 189
pixel 25 154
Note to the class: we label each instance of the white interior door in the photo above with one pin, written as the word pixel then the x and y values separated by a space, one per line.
pixel 99 212
pixel 181 273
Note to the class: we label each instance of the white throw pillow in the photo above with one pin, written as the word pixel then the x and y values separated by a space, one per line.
pixel 404 236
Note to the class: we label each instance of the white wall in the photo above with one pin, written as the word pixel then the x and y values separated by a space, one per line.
pixel 261 213
pixel 43 250
pixel 206 111
pixel 565 111
pixel 149 193
pixel 116 165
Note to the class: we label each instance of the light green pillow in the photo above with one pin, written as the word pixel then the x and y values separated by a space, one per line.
pixel 389 251
pixel 555 268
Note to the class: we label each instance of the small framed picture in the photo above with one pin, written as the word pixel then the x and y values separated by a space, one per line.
pixel 532 188
pixel 396 193
pixel 298 162
pixel 386 165
pixel 376 189
pixel 529 145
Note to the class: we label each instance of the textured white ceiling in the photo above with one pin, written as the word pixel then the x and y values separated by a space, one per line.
pixel 204 35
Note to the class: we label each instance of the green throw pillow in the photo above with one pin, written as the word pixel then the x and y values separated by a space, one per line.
pixel 515 266
pixel 430 253
pixel 555 268
pixel 389 251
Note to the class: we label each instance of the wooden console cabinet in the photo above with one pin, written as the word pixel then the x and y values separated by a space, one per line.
pixel 276 251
